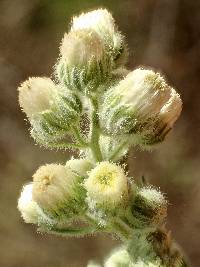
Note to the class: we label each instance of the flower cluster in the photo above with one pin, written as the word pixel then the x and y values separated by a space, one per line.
pixel 100 194
pixel 99 107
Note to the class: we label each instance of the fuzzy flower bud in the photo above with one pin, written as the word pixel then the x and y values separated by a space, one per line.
pixel 93 264
pixel 35 95
pixel 79 47
pixel 27 206
pixel 142 104
pixel 57 190
pixel 79 166
pixel 51 109
pixel 149 207
pixel 83 61
pixel 102 22
pixel 119 257
pixel 107 185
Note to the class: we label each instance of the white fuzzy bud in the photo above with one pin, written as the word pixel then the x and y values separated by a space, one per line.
pixel 27 206
pixel 107 185
pixel 80 47
pixel 79 166
pixel 57 190
pixel 51 109
pixel 35 95
pixel 142 104
pixel 102 22
pixel 99 20
pixel 84 64
pixel 93 264
pixel 119 257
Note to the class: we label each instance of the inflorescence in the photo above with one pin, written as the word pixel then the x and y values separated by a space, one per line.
pixel 97 106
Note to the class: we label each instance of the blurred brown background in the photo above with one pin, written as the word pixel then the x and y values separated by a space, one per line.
pixel 163 34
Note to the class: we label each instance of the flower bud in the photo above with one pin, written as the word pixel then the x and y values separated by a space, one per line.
pixel 51 109
pixel 119 257
pixel 27 206
pixel 102 22
pixel 36 95
pixel 83 64
pixel 107 185
pixel 149 208
pixel 79 47
pixel 93 264
pixel 58 191
pixel 142 104
pixel 79 166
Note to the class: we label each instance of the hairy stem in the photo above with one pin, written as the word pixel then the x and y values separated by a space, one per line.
pixel 94 131
pixel 123 231
pixel 71 231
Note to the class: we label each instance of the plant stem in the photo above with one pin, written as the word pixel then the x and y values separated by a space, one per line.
pixel 71 231
pixel 122 229
pixel 94 131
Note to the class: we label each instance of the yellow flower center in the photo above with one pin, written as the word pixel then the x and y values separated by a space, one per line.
pixel 106 179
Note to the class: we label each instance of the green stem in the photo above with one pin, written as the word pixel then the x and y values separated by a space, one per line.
pixel 94 131
pixel 70 231
pixel 122 229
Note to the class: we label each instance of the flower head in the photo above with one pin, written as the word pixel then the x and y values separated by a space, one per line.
pixel 83 63
pixel 57 190
pixel 142 104
pixel 80 47
pixel 99 20
pixel 36 95
pixel 27 206
pixel 107 184
pixel 102 22
pixel 119 257
pixel 51 109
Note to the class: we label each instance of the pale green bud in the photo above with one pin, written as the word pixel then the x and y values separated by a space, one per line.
pixel 27 206
pixel 84 64
pixel 51 109
pixel 149 208
pixel 142 104
pixel 93 264
pixel 119 258
pixel 102 22
pixel 107 185
pixel 79 166
pixel 58 191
